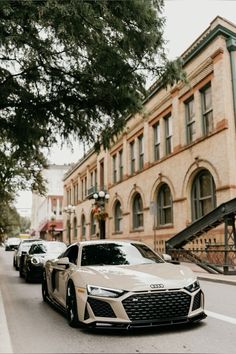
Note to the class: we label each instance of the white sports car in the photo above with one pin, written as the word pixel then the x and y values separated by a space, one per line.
pixel 121 284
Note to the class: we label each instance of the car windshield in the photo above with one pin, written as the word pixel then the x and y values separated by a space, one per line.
pixel 118 254
pixel 25 246
pixel 37 249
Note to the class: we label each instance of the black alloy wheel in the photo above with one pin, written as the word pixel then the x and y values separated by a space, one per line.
pixel 71 306
pixel 44 287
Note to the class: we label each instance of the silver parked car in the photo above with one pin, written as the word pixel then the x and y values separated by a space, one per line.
pixel 12 243
pixel 125 284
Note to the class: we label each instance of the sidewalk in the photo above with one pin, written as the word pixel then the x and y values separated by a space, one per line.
pixel 204 275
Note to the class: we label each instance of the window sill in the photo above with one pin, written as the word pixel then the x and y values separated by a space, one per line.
pixel 137 230
pixel 167 226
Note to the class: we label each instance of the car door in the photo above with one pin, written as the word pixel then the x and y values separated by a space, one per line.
pixel 62 274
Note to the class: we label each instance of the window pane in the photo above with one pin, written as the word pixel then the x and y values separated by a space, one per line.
pixel 203 195
pixel 208 122
pixel 83 226
pixel 137 212
pixel 156 129
pixel 167 216
pixel 167 196
pixel 205 185
pixel 206 206
pixel 189 109
pixel 208 99
pixel 114 169
pixel 164 202
pixel 121 164
pixel 118 217
pixel 168 134
pixel 207 110
pixel 132 158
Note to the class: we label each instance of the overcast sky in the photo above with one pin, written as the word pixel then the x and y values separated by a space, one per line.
pixel 185 21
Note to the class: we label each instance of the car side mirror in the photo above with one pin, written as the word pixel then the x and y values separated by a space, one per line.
pixel 166 257
pixel 169 259
pixel 63 262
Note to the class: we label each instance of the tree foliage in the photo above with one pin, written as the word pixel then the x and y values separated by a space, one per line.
pixel 73 69
pixel 20 169
pixel 25 223
pixel 9 220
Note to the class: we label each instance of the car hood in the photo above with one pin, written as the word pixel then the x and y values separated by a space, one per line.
pixel 47 256
pixel 136 277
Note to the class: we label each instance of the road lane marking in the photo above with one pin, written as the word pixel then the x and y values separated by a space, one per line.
pixel 221 317
pixel 5 340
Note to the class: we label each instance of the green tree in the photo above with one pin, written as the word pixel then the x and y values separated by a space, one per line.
pixel 20 169
pixel 9 220
pixel 73 69
pixel 24 224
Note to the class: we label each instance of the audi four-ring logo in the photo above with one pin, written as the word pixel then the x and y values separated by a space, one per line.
pixel 157 286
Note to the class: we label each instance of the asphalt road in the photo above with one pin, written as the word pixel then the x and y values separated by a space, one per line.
pixel 28 325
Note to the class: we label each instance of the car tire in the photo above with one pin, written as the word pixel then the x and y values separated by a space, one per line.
pixel 71 306
pixel 14 263
pixel 28 278
pixel 21 274
pixel 44 288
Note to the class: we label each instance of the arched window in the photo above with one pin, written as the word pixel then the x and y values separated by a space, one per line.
pixel 75 227
pixel 92 224
pixel 117 216
pixel 203 194
pixel 137 211
pixel 164 205
pixel 83 227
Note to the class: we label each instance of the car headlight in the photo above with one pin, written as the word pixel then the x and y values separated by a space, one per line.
pixel 193 287
pixel 36 260
pixel 104 292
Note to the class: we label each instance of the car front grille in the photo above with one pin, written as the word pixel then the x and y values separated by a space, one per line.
pixel 197 301
pixel 157 306
pixel 101 308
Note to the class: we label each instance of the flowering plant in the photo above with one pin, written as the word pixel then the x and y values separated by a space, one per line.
pixel 99 213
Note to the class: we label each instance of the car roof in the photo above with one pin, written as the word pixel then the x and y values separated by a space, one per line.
pixel 31 240
pixel 94 242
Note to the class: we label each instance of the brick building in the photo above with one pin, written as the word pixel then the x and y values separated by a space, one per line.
pixel 46 218
pixel 174 162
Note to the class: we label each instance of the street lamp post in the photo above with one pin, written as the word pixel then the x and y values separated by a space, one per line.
pixel 100 198
pixel 70 209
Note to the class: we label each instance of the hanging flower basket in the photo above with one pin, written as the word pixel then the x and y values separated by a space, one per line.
pixel 99 214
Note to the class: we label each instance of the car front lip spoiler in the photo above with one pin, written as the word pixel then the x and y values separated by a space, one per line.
pixel 146 324
pixel 131 325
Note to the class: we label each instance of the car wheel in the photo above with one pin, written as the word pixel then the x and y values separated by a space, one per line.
pixel 21 274
pixel 71 306
pixel 44 288
pixel 27 277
